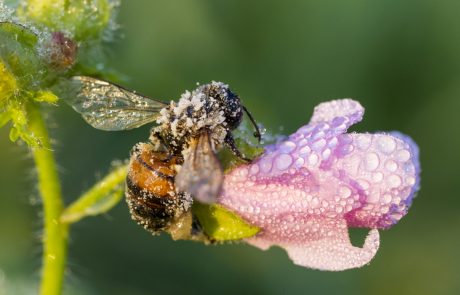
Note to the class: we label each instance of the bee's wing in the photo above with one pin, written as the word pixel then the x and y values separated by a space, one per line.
pixel 111 107
pixel 201 174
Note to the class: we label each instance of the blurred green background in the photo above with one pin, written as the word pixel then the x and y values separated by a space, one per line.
pixel 399 58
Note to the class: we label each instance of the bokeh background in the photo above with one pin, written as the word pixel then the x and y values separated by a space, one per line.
pixel 399 58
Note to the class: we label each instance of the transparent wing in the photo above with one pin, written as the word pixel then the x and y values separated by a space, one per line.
pixel 111 107
pixel 201 174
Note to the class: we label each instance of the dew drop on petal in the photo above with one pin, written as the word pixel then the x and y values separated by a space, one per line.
pixel 363 142
pixel 402 155
pixel 387 199
pixel 287 147
pixel 386 144
pixel 332 142
pixel 326 153
pixel 254 169
pixel 410 180
pixel 299 162
pixel 319 144
pixel 347 148
pixel 344 191
pixel 305 150
pixel 266 165
pixel 394 181
pixel 373 197
pixel 313 159
pixel 283 161
pixel 363 184
pixel 371 161
pixel 391 165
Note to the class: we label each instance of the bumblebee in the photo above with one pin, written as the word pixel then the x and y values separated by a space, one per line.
pixel 179 164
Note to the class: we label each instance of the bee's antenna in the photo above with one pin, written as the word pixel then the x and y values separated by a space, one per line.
pixel 257 133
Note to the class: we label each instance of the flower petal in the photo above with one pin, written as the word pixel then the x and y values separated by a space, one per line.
pixel 385 169
pixel 306 191
pixel 347 110
pixel 330 249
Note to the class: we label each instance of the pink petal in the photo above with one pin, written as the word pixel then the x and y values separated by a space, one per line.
pixel 306 191
pixel 331 240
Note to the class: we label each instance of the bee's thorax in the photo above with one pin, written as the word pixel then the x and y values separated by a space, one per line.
pixel 211 107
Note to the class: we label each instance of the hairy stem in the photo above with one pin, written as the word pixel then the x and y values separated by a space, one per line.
pixel 100 198
pixel 55 232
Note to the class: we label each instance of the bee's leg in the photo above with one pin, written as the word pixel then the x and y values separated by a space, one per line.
pixel 230 142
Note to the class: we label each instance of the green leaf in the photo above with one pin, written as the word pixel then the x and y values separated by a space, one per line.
pixel 221 224
pixel 45 96
pixel 19 54
pixel 14 134
pixel 23 35
pixel 102 197
pixel 17 112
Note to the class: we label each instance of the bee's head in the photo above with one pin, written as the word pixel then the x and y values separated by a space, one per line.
pixel 227 101
pixel 232 108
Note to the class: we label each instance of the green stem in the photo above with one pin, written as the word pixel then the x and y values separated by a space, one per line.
pixel 99 199
pixel 55 232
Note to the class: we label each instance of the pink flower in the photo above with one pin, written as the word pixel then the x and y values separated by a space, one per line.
pixel 305 192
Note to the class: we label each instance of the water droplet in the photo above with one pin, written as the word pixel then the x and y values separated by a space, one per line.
pixel 394 181
pixel 364 184
pixel 410 180
pixel 305 150
pixel 371 161
pixel 299 162
pixel 347 148
pixel 326 153
pixel 402 155
pixel 303 142
pixel 384 210
pixel 363 141
pixel 254 169
pixel 315 202
pixel 374 197
pixel 337 121
pixel 318 135
pixel 319 144
pixel 344 191
pixel 283 161
pixel 391 165
pixel 333 142
pixel 386 144
pixel 346 138
pixel 313 159
pixel 387 198
pixel 287 147
pixel 265 165
pixel 396 216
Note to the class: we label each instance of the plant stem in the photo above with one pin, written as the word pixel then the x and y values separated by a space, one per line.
pixel 55 233
pixel 99 199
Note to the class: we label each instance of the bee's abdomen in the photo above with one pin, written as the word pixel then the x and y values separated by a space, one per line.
pixel 150 191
